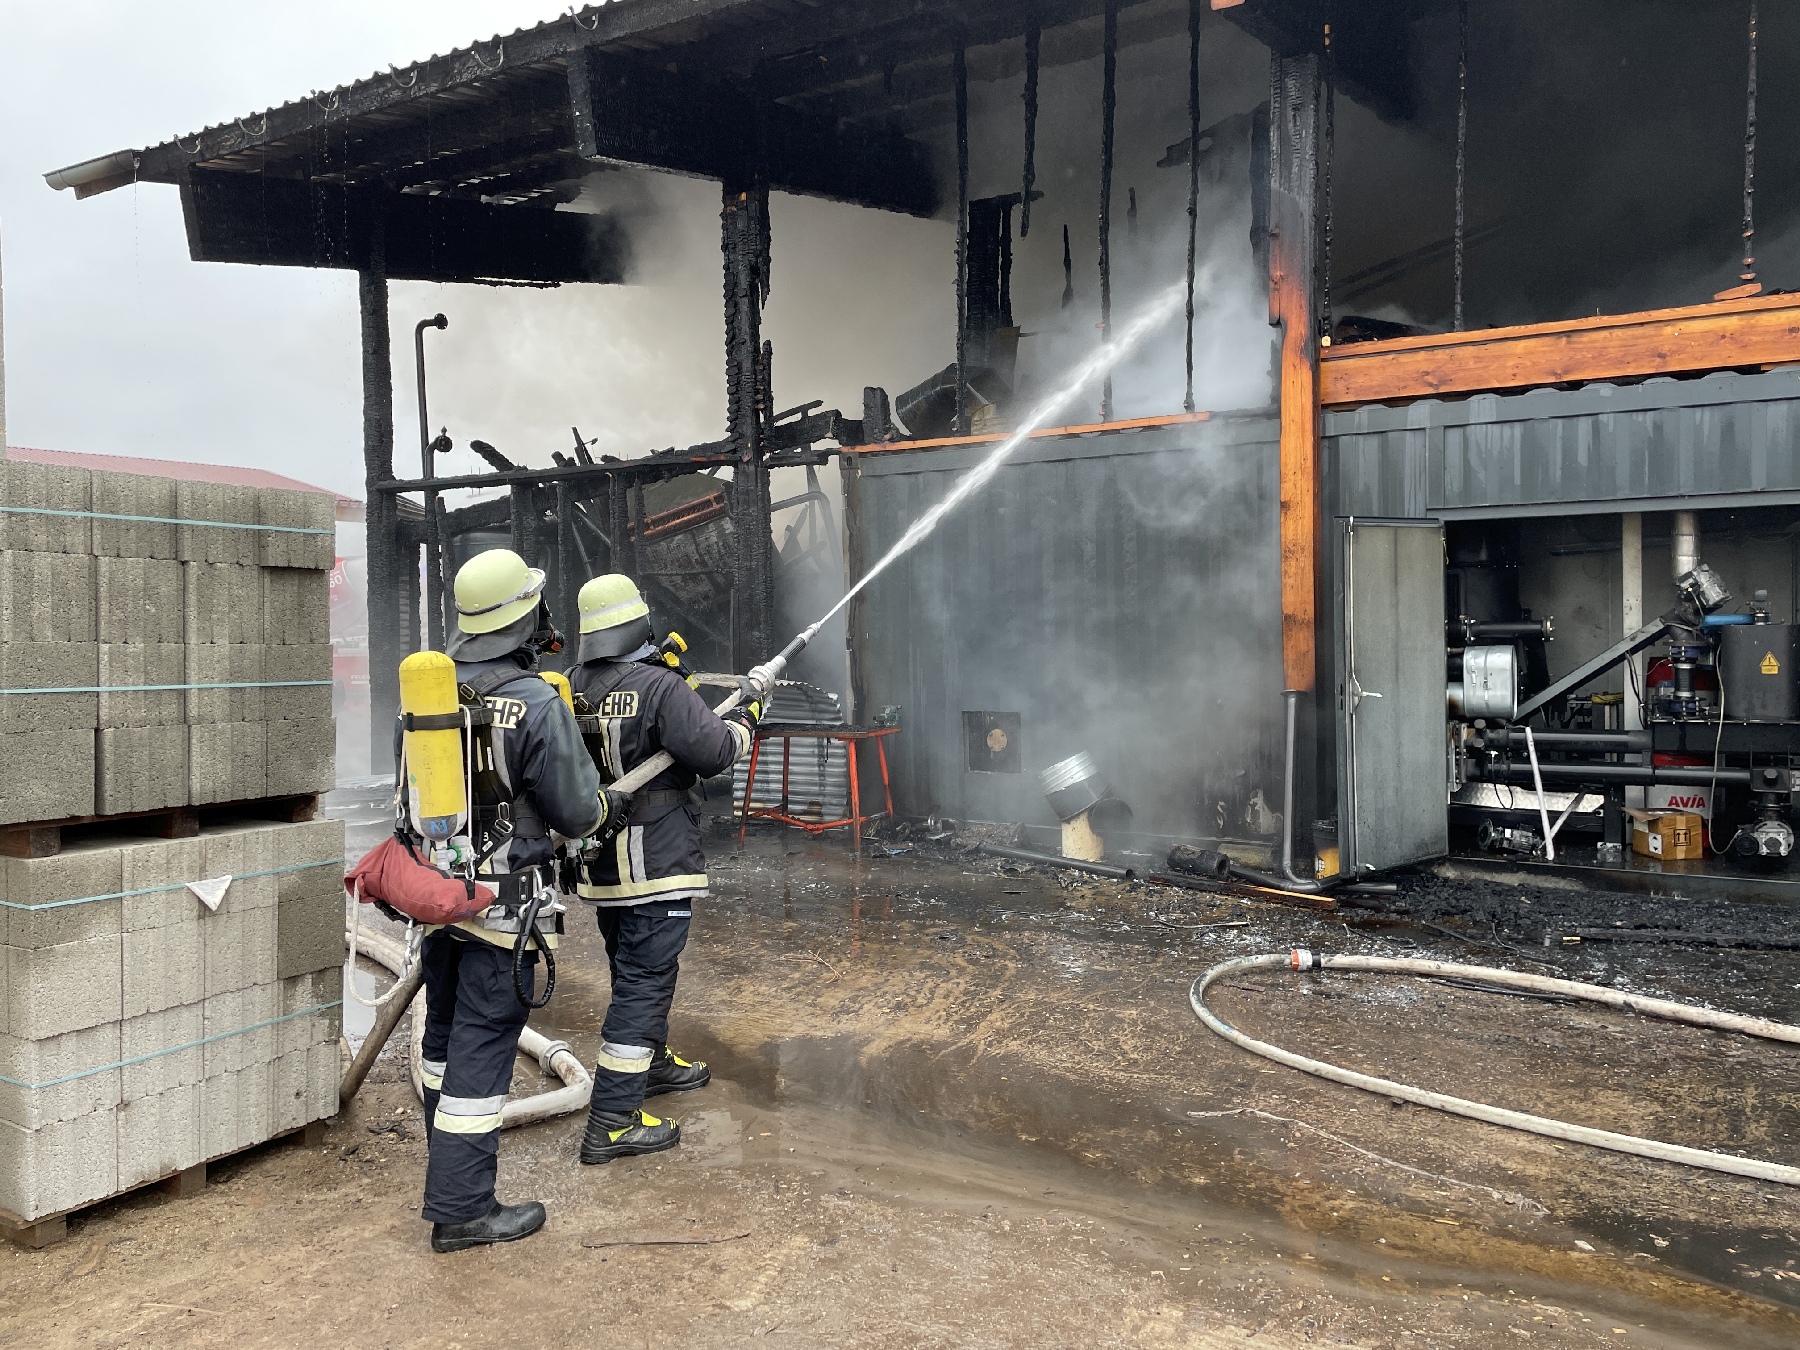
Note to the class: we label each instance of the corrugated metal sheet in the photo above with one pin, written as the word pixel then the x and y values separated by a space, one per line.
pixel 1552 450
pixel 1120 592
pixel 818 786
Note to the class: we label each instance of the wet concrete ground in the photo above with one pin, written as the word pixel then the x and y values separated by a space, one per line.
pixel 961 1104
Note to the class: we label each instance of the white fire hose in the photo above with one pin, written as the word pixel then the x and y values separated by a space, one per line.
pixel 1494 1115
pixel 554 1057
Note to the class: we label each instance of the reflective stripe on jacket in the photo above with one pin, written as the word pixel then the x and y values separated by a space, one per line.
pixel 645 708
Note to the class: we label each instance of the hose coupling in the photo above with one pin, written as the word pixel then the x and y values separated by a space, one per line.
pixel 550 1052
pixel 1301 959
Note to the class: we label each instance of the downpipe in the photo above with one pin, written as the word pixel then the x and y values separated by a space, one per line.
pixel 1287 880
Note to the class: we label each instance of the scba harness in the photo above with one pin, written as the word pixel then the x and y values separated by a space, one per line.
pixel 489 816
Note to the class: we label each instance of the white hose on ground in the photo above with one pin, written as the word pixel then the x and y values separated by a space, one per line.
pixel 1494 1115
pixel 556 1057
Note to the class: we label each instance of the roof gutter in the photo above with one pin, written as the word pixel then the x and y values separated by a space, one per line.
pixel 94 176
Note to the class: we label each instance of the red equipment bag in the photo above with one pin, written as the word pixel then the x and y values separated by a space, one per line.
pixel 396 876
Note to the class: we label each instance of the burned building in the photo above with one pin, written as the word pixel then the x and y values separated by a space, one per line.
pixel 1484 315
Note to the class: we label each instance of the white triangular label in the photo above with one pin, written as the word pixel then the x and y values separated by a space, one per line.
pixel 211 891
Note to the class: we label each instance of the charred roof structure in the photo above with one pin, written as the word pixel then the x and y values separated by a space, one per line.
pixel 1437 205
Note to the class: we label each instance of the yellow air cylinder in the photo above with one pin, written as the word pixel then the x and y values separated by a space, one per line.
pixel 560 682
pixel 434 759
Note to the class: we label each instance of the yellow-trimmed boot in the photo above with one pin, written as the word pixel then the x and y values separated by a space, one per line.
pixel 669 1072
pixel 626 1134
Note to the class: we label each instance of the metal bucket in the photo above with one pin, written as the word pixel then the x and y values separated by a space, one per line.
pixel 1071 786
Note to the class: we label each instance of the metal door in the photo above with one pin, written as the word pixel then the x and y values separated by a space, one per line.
pixel 1393 788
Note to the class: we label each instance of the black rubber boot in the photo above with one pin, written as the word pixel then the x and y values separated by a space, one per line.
pixel 669 1072
pixel 626 1134
pixel 502 1223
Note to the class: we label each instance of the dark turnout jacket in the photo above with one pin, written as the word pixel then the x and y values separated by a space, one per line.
pixel 641 709
pixel 546 770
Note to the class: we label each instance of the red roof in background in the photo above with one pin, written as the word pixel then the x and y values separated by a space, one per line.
pixel 348 508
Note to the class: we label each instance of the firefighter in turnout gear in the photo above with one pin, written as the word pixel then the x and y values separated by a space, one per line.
pixel 644 882
pixel 480 975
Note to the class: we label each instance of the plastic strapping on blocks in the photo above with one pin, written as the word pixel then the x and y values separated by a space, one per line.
pixel 172 886
pixel 161 688
pixel 173 1049
pixel 164 520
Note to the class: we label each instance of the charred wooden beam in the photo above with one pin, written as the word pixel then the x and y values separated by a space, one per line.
pixel 245 218
pixel 450 145
pixel 397 92
pixel 1296 87
pixel 1370 45
pixel 629 112
pixel 745 248
pixel 385 595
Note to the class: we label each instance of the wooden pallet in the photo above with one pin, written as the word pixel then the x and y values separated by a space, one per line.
pixel 46 838
pixel 36 1234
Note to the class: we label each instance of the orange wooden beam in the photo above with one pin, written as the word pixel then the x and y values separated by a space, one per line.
pixel 1290 303
pixel 1042 433
pixel 1723 335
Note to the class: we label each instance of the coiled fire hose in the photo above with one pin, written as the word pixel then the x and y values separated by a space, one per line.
pixel 1494 1115
pixel 554 1057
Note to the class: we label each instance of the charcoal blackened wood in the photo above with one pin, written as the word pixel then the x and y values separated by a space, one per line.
pixel 247 218
pixel 1373 57
pixel 961 77
pixel 1033 39
pixel 485 63
pixel 1193 204
pixel 630 112
pixel 745 247
pixel 1109 102
pixel 1294 105
pixel 390 636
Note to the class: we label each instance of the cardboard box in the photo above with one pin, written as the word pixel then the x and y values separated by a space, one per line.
pixel 1671 836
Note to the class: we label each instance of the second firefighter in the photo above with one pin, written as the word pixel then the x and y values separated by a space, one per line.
pixel 645 881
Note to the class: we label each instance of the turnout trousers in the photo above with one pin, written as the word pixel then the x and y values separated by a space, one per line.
pixel 472 1024
pixel 643 950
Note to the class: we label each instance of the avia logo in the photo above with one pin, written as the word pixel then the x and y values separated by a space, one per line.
pixel 1770 666
pixel 1698 799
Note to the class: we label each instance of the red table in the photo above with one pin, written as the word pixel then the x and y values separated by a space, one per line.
pixel 850 736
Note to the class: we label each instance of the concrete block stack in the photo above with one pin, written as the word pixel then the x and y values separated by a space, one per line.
pixel 186 628
pixel 142 1033
pixel 160 650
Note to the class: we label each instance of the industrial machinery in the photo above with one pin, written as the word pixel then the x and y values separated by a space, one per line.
pixel 1711 727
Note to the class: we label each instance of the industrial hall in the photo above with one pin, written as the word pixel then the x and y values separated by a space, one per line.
pixel 1161 636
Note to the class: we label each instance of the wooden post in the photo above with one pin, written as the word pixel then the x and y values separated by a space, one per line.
pixel 745 244
pixel 388 572
pixel 1294 308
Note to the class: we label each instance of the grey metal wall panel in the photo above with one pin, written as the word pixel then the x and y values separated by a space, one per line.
pixel 1120 592
pixel 1602 446
pixel 1391 799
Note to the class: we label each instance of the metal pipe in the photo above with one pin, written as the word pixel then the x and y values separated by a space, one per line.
pixel 437 321
pixel 1641 775
pixel 1506 738
pixel 1684 544
pixel 434 543
pixel 1287 880
pixel 1054 860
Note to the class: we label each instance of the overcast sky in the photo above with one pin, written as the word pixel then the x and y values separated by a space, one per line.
pixel 117 343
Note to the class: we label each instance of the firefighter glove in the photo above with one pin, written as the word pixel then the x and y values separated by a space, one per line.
pixel 616 811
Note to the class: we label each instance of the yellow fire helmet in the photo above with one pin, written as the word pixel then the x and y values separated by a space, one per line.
pixel 615 621
pixel 496 593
